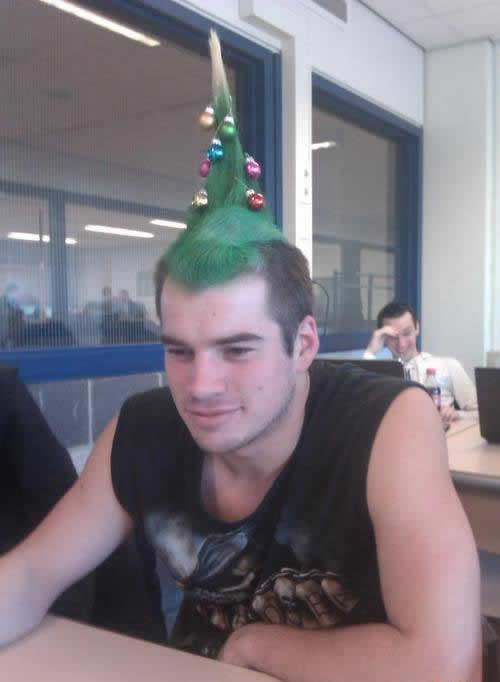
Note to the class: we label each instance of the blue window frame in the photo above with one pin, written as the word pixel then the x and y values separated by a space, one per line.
pixel 259 103
pixel 345 105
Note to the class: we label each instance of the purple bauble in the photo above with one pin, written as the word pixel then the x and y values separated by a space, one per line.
pixel 205 167
pixel 253 169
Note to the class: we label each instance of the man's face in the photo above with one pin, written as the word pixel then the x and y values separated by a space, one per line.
pixel 404 344
pixel 231 379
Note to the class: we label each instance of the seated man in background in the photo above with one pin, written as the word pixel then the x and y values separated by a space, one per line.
pixel 278 534
pixel 36 471
pixel 398 329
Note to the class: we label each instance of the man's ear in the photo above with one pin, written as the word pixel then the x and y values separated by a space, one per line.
pixel 306 343
pixel 417 329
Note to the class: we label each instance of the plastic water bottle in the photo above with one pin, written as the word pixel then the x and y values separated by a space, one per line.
pixel 406 370
pixel 432 386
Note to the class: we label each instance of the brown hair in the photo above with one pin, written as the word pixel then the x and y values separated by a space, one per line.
pixel 285 270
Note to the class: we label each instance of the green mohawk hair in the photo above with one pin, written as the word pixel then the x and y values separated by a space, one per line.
pixel 228 221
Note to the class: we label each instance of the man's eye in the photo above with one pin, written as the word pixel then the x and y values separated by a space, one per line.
pixel 178 352
pixel 236 351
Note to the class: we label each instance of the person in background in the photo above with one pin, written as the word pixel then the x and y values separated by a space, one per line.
pixel 279 535
pixel 129 309
pixel 398 330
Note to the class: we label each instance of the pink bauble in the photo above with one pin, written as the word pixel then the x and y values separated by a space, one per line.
pixel 205 167
pixel 253 169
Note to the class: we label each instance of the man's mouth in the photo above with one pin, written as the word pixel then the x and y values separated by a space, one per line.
pixel 210 416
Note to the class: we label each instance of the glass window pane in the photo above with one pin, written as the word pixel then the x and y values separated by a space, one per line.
pixel 25 270
pixel 95 129
pixel 110 276
pixel 354 208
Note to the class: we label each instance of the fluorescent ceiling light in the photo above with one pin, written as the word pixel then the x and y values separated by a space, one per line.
pixel 168 223
pixel 323 145
pixel 119 231
pixel 99 20
pixel 32 237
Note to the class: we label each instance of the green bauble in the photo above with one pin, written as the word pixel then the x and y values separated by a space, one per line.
pixel 227 130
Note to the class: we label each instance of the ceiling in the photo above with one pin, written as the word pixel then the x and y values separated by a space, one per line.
pixel 439 23
pixel 71 88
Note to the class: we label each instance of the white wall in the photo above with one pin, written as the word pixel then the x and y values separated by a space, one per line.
pixel 495 230
pixel 458 202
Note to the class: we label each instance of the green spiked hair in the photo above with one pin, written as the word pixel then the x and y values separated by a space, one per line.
pixel 225 238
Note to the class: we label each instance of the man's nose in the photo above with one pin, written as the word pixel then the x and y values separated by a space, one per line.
pixel 207 377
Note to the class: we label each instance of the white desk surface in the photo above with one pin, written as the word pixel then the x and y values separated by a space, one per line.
pixel 471 458
pixel 61 650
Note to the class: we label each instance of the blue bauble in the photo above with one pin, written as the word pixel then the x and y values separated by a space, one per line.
pixel 215 152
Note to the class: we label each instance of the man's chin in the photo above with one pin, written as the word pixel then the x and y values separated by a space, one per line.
pixel 409 356
pixel 214 443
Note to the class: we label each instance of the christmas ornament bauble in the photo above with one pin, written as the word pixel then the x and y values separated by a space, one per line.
pixel 252 168
pixel 227 130
pixel 207 118
pixel 256 200
pixel 205 167
pixel 215 151
pixel 200 198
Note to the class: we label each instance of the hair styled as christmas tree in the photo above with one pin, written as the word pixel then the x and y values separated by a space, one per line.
pixel 227 222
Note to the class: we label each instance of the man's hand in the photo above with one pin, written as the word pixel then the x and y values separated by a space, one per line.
pixel 238 646
pixel 379 338
pixel 448 414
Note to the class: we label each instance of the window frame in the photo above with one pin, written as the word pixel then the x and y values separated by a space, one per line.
pixel 345 104
pixel 259 90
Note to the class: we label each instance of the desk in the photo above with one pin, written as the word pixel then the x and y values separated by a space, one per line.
pixel 61 650
pixel 475 469
pixel 460 425
pixel 472 460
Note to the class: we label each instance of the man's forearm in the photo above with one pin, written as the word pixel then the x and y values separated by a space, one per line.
pixel 365 652
pixel 22 605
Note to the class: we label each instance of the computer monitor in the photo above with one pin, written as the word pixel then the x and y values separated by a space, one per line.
pixel 391 368
pixel 488 402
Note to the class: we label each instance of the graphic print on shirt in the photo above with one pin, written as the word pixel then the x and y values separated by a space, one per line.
pixel 212 584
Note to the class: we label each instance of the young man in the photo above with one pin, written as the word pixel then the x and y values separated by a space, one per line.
pixel 398 329
pixel 281 536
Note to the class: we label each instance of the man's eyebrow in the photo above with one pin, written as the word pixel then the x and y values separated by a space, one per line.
pixel 244 337
pixel 238 338
pixel 171 341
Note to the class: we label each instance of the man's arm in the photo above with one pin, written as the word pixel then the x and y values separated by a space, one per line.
pixel 80 532
pixel 428 570
pixel 463 387
pixel 378 340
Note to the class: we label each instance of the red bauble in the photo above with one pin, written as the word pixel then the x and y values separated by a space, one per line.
pixel 256 201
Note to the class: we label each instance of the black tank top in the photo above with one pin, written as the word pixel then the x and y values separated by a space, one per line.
pixel 305 557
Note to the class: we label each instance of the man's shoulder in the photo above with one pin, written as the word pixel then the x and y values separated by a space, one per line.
pixel 349 388
pixel 151 404
pixel 442 361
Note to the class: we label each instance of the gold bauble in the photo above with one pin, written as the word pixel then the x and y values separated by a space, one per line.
pixel 200 198
pixel 207 118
